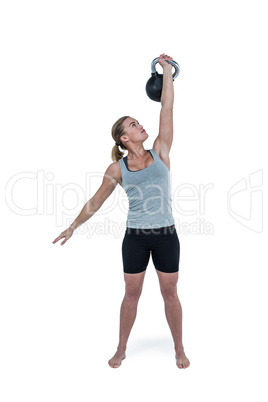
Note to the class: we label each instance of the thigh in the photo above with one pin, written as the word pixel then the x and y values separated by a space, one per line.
pixel 166 252
pixel 168 281
pixel 135 253
pixel 134 283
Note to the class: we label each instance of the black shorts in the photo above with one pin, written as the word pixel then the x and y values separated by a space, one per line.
pixel 138 244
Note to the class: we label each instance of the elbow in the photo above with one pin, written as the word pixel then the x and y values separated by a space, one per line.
pixel 167 103
pixel 167 106
pixel 92 206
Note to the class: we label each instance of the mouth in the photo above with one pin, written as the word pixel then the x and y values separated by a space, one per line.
pixel 143 131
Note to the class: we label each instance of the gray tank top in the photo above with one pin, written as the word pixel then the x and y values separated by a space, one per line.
pixel 148 192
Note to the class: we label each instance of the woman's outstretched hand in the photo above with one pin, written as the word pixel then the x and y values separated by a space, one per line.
pixel 162 60
pixel 66 234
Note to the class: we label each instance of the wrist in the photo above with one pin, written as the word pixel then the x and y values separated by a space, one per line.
pixel 167 67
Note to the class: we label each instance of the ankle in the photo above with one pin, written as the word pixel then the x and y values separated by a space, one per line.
pixel 179 349
pixel 121 349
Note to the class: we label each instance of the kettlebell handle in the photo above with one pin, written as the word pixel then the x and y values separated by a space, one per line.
pixel 172 62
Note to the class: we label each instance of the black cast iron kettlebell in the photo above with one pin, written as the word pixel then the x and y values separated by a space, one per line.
pixel 155 83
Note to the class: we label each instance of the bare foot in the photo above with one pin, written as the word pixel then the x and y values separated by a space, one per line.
pixel 115 361
pixel 181 360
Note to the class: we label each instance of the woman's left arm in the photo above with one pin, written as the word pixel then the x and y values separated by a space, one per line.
pixel 164 139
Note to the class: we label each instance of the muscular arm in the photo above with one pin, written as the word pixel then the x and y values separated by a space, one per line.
pixel 109 182
pixel 164 139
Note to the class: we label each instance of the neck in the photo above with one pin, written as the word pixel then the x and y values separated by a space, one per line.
pixel 136 152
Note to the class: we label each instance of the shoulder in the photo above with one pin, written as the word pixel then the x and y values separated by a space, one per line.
pixel 114 171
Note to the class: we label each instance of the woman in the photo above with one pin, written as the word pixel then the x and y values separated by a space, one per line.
pixel 150 230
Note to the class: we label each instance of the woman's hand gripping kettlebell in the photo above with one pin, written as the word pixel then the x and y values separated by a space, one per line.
pixel 163 61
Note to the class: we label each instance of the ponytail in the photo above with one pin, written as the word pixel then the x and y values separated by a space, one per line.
pixel 116 153
pixel 117 132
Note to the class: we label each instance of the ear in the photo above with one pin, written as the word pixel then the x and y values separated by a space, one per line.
pixel 124 138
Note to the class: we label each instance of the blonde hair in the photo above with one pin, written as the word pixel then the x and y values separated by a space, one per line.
pixel 117 132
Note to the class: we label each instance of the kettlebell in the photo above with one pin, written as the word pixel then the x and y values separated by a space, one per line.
pixel 155 83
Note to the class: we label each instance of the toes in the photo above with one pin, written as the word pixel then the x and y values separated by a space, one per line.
pixel 180 365
pixel 113 365
pixel 183 365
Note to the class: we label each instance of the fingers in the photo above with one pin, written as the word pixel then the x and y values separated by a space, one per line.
pixel 166 57
pixel 66 234
pixel 58 238
pixel 67 237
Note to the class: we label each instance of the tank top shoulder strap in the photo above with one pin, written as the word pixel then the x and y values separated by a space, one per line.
pixel 155 154
pixel 123 164
pixel 125 161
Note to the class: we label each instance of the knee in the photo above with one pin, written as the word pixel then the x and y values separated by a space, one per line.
pixel 169 293
pixel 133 294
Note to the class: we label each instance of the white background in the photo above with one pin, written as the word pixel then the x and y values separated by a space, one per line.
pixel 69 70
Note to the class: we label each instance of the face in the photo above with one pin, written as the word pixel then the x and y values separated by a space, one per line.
pixel 134 131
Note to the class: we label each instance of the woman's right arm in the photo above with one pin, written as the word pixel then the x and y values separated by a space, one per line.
pixel 110 180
